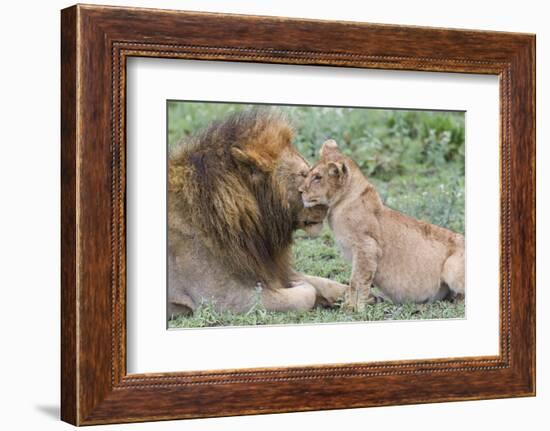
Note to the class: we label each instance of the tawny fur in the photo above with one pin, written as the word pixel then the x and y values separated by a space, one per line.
pixel 233 204
pixel 408 259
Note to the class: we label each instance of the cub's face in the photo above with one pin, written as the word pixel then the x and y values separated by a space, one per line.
pixel 317 188
pixel 291 173
pixel 326 178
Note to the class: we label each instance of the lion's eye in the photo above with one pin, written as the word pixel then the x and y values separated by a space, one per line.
pixel 303 174
pixel 317 177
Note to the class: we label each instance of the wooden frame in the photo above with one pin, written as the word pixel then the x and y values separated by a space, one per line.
pixel 95 43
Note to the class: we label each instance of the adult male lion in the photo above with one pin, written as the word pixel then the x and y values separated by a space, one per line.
pixel 233 203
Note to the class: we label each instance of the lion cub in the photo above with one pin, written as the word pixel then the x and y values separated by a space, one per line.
pixel 407 259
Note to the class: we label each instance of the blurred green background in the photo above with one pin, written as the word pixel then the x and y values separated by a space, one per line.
pixel 414 158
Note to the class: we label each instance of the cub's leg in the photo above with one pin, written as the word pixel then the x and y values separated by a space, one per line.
pixel 453 273
pixel 364 265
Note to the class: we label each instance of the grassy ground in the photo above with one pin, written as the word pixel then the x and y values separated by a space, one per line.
pixel 206 316
pixel 414 158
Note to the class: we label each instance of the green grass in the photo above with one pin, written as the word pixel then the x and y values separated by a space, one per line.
pixel 414 158
pixel 207 316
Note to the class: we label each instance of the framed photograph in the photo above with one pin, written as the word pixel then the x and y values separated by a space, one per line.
pixel 264 215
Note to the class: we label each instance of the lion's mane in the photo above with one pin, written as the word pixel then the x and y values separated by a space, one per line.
pixel 222 184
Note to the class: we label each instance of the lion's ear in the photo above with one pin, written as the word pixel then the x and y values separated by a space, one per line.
pixel 337 169
pixel 329 147
pixel 250 158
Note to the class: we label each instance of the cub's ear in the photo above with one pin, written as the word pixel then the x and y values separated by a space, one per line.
pixel 337 169
pixel 250 158
pixel 329 147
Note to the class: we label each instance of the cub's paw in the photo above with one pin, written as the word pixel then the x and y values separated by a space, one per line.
pixel 375 298
pixel 354 301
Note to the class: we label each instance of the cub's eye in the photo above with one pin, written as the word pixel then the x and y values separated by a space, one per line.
pixel 317 177
pixel 303 174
